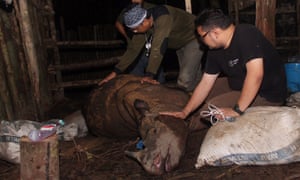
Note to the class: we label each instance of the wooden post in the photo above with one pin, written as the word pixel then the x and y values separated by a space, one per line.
pixel 15 92
pixel 6 105
pixel 265 18
pixel 236 9
pixel 298 24
pixel 39 160
pixel 30 18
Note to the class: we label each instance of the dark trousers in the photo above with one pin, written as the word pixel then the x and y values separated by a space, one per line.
pixel 141 65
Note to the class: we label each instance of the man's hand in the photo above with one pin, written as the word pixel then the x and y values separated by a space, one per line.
pixel 107 78
pixel 149 80
pixel 228 112
pixel 180 114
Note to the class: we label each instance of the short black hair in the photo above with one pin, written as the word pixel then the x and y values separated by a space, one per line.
pixel 211 18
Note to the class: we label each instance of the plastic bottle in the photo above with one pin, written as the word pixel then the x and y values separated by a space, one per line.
pixel 44 132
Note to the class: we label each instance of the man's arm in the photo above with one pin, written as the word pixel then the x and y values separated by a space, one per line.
pixel 121 29
pixel 252 83
pixel 200 93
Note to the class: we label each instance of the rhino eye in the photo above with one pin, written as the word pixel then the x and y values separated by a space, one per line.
pixel 154 130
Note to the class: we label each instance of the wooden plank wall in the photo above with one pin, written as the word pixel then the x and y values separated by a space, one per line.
pixel 277 19
pixel 24 91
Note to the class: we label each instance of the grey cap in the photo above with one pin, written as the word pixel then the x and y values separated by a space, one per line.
pixel 135 16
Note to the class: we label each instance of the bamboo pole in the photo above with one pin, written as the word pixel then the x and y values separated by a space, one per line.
pixel 81 83
pixel 59 94
pixel 84 83
pixel 76 44
pixel 91 64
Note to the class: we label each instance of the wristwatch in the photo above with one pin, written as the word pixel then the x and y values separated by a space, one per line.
pixel 236 109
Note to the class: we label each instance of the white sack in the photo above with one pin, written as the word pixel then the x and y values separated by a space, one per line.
pixel 75 126
pixel 262 136
pixel 293 100
pixel 10 133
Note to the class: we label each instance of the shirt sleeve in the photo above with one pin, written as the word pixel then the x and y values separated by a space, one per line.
pixel 133 50
pixel 250 46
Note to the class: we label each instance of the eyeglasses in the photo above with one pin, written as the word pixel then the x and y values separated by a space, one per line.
pixel 204 35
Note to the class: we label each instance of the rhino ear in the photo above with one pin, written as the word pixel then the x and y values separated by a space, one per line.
pixel 141 106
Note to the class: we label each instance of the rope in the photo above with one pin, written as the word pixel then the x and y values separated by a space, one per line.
pixel 212 113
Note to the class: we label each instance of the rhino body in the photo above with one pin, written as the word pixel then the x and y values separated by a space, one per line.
pixel 110 109
pixel 125 108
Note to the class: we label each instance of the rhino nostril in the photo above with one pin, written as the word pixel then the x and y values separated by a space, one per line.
pixel 168 167
pixel 157 161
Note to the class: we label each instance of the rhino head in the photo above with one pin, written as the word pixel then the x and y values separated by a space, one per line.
pixel 164 138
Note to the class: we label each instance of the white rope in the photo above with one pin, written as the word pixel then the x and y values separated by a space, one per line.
pixel 213 113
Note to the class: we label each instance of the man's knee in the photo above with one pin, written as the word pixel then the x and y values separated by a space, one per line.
pixel 186 84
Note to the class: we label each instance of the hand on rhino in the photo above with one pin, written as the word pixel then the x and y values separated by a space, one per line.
pixel 164 140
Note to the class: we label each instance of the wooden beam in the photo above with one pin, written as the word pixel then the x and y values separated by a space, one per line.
pixel 265 18
pixel 298 20
pixel 76 44
pixel 86 83
pixel 90 64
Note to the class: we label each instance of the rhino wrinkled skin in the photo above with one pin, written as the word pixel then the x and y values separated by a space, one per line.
pixel 124 108
pixel 164 138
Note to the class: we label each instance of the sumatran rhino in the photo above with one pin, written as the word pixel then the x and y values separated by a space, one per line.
pixel 110 108
pixel 164 138
pixel 114 111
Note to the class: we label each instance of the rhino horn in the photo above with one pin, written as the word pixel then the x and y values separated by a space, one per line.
pixel 134 155
pixel 141 106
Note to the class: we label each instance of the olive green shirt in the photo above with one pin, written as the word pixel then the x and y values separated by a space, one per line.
pixel 173 28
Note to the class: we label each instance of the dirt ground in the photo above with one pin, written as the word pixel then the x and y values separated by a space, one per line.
pixel 99 158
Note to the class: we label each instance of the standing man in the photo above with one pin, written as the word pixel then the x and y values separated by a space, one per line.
pixel 142 59
pixel 254 72
pixel 157 29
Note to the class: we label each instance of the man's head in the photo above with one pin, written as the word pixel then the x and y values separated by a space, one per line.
pixel 211 25
pixel 137 18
